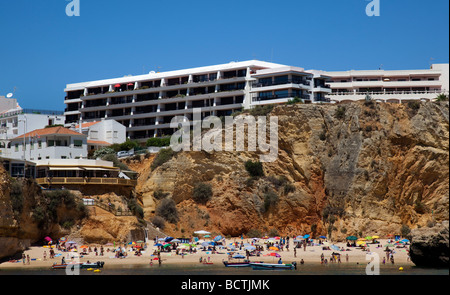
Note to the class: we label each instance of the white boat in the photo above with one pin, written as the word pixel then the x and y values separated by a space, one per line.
pixel 273 266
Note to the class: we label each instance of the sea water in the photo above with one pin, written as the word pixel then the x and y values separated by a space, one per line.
pixel 219 269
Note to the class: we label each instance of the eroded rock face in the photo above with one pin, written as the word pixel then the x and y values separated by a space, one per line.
pixel 367 169
pixel 430 246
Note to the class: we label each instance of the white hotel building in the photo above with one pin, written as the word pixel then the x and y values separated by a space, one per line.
pixel 146 104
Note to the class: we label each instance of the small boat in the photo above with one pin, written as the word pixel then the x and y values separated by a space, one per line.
pixel 98 264
pixel 237 264
pixel 272 266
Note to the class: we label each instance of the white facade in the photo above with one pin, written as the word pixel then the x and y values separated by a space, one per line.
pixel 390 86
pixel 107 131
pixel 146 104
pixel 54 143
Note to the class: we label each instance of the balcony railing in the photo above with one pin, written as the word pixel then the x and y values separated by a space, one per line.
pixel 386 92
pixel 275 96
pixel 85 181
pixel 275 83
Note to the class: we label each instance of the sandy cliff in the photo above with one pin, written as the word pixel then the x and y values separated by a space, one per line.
pixel 361 168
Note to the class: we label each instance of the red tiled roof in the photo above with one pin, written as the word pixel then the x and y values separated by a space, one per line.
pixel 86 125
pixel 50 131
pixel 96 142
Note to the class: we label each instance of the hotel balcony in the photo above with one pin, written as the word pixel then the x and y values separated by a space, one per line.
pixel 284 83
pixel 52 181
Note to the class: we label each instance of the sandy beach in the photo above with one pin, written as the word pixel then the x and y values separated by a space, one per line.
pixel 311 255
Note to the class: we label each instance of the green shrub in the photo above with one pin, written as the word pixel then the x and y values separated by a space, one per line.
pixel 202 193
pixel 159 222
pixel 158 142
pixel 405 231
pixel 288 188
pixel 135 208
pixel 16 195
pixel 162 157
pixel 167 209
pixel 270 199
pixel 100 153
pixel 116 162
pixel 159 194
pixel 261 110
pixel 254 233
pixel 129 145
pixel 255 169
pixel 340 112
pixel 414 105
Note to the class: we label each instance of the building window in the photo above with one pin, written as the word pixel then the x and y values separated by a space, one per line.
pixel 39 144
pixel 94 134
pixel 116 134
pixel 16 147
pixel 108 134
pixel 78 143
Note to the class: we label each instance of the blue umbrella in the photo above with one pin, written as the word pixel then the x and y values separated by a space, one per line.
pixel 217 238
pixel 168 239
pixel 212 243
pixel 322 237
pixel 158 245
pixel 250 248
pixel 306 236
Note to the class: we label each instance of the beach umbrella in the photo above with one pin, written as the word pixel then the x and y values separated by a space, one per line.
pixel 369 238
pixel 176 241
pixel 71 242
pixel 322 237
pixel 158 245
pixel 48 239
pixel 274 248
pixel 205 244
pixel 166 245
pixel 375 237
pixel 306 236
pixel 84 247
pixel 168 239
pixel 109 244
pixel 207 236
pixel 361 239
pixel 360 243
pixel 405 241
pixel 275 255
pixel 161 239
pixel 212 243
pixel 352 238
pixel 250 248
pixel 140 241
pixel 217 238
pixel 202 232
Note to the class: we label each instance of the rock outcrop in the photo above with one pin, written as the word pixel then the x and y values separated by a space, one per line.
pixel 357 169
pixel 430 246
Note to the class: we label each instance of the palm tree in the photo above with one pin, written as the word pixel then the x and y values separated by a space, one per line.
pixel 442 97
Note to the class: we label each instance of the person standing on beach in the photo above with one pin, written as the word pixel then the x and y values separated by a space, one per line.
pixel 23 258
pixel 295 252
pixel 45 255
pixel 28 259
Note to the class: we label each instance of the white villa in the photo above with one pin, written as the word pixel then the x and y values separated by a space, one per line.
pixel 48 143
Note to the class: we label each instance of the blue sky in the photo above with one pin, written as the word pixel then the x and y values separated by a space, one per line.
pixel 42 49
